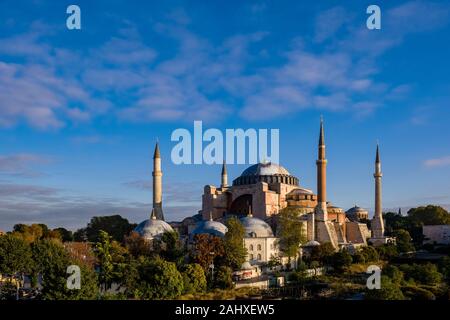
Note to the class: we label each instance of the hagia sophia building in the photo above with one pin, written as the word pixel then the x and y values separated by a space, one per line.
pixel 257 196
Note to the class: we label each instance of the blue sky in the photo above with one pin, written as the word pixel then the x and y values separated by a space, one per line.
pixel 80 111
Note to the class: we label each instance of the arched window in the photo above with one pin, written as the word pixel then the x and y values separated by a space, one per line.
pixel 259 257
pixel 251 247
pixel 259 247
pixel 251 257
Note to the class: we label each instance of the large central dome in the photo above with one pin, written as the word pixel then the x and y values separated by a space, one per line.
pixel 265 172
pixel 265 169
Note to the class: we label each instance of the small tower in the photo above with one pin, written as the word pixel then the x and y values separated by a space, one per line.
pixel 224 181
pixel 377 221
pixel 321 209
pixel 157 184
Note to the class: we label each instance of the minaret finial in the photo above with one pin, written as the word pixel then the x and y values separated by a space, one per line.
pixel 322 135
pixel 157 153
pixel 377 158
pixel 210 216
pixel 250 214
pixel 224 167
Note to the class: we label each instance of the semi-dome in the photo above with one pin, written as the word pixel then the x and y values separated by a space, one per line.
pixel 265 172
pixel 256 228
pixel 153 228
pixel 265 169
pixel 211 227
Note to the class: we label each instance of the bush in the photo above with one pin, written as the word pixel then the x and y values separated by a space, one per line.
pixel 370 254
pixel 387 252
pixel 416 293
pixel 341 260
pixel 389 291
pixel 424 274
pixel 393 273
pixel 223 278
pixel 194 279
pixel 158 279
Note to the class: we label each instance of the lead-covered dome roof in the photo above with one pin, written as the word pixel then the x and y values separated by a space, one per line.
pixel 256 228
pixel 265 169
pixel 153 228
pixel 265 172
pixel 211 227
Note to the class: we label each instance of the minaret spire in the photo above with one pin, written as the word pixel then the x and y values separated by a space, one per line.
pixel 157 183
pixel 377 221
pixel 321 212
pixel 224 181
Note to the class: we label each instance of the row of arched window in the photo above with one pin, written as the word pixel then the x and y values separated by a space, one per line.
pixel 269 179
pixel 258 257
pixel 258 247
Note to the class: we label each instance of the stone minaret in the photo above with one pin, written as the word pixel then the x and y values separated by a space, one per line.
pixel 321 209
pixel 377 221
pixel 224 181
pixel 157 184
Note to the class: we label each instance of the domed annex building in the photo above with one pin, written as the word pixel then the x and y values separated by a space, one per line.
pixel 259 240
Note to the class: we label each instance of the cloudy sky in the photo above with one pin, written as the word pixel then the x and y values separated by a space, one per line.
pixel 80 110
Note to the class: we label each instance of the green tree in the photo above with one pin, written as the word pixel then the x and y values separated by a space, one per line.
pixel 15 255
pixel 388 291
pixel 370 254
pixel 403 240
pixel 194 278
pixel 103 250
pixel 416 293
pixel 235 251
pixel 52 261
pixel 395 221
pixel 66 235
pixel 341 260
pixel 429 215
pixel 426 274
pixel 223 278
pixel 170 248
pixel 159 279
pixel 393 273
pixel 116 226
pixel 322 253
pixel 290 232
pixel 444 267
pixel 387 251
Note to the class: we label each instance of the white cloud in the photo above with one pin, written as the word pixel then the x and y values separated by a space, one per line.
pixel 437 162
pixel 198 79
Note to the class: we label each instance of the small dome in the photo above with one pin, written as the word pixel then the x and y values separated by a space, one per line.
pixel 246 266
pixel 211 227
pixel 357 213
pixel 153 228
pixel 265 169
pixel 311 243
pixel 356 209
pixel 300 191
pixel 256 228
